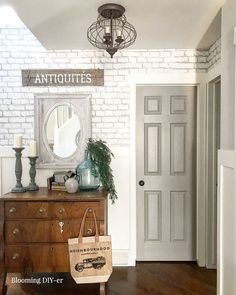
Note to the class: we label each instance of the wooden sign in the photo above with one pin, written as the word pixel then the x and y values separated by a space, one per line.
pixel 67 77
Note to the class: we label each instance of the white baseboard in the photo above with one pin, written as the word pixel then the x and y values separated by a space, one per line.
pixel 120 257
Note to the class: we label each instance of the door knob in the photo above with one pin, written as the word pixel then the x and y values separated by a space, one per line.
pixel 141 183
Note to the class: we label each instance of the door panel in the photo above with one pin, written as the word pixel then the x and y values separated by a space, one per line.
pixel 152 216
pixel 152 149
pixel 165 129
pixel 177 146
pixel 178 212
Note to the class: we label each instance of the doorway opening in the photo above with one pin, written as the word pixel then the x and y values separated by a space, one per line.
pixel 212 146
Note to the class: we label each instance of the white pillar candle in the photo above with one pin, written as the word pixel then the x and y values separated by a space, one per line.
pixel 107 30
pixel 33 148
pixel 18 141
pixel 118 32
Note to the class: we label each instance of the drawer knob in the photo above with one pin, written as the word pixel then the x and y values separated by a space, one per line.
pixel 61 210
pixel 89 231
pixel 12 210
pixel 42 210
pixel 90 210
pixel 15 256
pixel 15 231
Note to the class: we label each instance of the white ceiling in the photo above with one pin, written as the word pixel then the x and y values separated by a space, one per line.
pixel 212 34
pixel 62 24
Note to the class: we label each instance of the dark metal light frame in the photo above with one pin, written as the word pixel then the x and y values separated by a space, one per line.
pixel 111 31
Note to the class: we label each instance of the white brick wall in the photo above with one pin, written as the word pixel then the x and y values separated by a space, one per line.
pixel 214 54
pixel 19 49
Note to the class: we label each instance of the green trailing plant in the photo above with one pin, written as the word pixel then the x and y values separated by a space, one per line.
pixel 101 157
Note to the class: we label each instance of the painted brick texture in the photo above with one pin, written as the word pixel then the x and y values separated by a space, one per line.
pixel 214 54
pixel 19 49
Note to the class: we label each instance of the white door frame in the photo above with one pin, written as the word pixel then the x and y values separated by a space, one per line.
pixel 167 79
pixel 226 195
pixel 227 160
pixel 211 214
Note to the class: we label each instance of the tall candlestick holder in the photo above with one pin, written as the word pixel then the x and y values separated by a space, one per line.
pixel 32 172
pixel 18 171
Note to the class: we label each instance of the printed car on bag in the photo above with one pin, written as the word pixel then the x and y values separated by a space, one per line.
pixel 96 263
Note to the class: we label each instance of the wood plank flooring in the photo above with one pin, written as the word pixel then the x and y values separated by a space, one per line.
pixel 144 279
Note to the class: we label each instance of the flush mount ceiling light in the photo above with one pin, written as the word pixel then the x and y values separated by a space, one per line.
pixel 111 31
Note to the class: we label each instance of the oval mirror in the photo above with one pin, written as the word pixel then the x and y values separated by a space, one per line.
pixel 63 130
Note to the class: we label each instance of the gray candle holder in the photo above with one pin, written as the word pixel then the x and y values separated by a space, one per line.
pixel 18 171
pixel 32 172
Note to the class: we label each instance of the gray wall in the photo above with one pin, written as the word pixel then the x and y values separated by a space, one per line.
pixel 228 74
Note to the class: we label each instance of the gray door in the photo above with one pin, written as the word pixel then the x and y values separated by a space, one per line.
pixel 166 141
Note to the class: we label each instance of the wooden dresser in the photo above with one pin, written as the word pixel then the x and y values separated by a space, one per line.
pixel 35 226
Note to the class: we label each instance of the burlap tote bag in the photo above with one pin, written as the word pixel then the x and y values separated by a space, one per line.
pixel 90 257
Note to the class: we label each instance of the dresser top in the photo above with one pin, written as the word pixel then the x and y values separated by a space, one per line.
pixel 44 195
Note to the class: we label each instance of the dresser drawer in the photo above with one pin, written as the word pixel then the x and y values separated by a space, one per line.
pixel 33 231
pixel 71 229
pixel 27 231
pixel 35 228
pixel 66 210
pixel 37 258
pixel 60 258
pixel 26 210
pixel 32 257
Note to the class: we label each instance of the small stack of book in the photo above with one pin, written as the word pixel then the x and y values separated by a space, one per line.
pixel 56 182
pixel 55 186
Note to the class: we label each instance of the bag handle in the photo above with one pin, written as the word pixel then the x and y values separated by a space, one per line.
pixel 88 210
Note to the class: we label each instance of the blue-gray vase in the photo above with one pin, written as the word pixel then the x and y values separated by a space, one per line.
pixel 88 181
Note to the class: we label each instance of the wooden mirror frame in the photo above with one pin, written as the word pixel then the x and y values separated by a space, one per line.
pixel 44 105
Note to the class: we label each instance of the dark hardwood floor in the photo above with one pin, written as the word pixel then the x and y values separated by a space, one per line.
pixel 146 278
